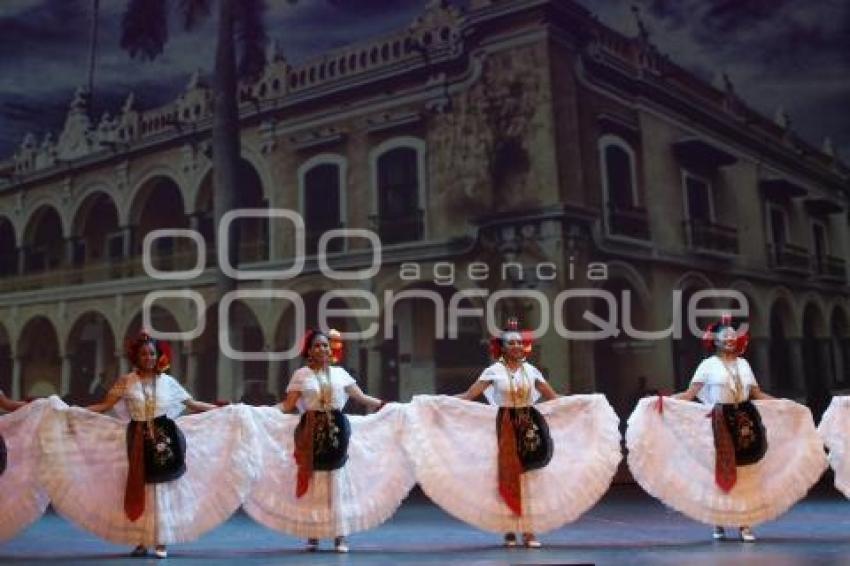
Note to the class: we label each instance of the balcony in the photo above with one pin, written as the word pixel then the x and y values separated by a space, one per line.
pixel 705 237
pixel 830 268
pixel 406 228
pixel 630 222
pixel 790 258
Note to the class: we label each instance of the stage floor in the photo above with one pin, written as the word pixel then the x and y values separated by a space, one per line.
pixel 626 527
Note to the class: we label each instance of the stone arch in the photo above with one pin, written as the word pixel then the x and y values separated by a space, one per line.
pixel 92 353
pixel 44 239
pixel 94 226
pixel 39 353
pixel 158 203
pixel 8 248
pixel 6 360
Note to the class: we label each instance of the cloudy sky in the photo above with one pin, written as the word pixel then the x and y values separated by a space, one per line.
pixel 777 52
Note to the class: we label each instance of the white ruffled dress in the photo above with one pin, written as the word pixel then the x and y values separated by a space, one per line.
pixel 362 494
pixel 835 430
pixel 453 445
pixel 84 469
pixel 671 454
pixel 23 500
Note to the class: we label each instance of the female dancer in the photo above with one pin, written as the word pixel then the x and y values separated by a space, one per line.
pixel 326 475
pixel 744 465
pixel 156 480
pixel 526 474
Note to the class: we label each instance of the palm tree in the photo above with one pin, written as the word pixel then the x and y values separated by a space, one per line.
pixel 144 32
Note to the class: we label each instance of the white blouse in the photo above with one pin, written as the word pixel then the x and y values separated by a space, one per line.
pixel 308 382
pixel 170 397
pixel 511 389
pixel 719 383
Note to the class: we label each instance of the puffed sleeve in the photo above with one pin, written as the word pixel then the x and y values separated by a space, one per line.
pixel 748 378
pixel 343 376
pixel 489 375
pixel 703 372
pixel 535 373
pixel 296 382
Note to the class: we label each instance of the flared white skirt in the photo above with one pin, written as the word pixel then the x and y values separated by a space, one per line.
pixel 672 456
pixel 453 446
pixel 835 430
pixel 22 499
pixel 362 494
pixel 84 470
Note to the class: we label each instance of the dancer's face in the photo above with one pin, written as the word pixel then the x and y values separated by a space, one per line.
pixel 147 357
pixel 513 347
pixel 727 341
pixel 320 351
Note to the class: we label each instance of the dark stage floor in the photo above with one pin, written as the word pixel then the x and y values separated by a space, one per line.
pixel 627 527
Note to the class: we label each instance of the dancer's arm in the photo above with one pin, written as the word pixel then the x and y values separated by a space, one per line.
pixel 758 394
pixel 198 406
pixel 372 403
pixel 475 390
pixel 690 393
pixel 546 390
pixel 113 396
pixel 290 402
pixel 8 404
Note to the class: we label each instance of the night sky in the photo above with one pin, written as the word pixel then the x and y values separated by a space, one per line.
pixel 777 52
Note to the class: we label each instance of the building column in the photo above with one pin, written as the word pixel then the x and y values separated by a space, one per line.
pixel 374 377
pixel 224 378
pixel 272 371
pixel 760 348
pixel 798 366
pixel 22 260
pixel 17 376
pixel 65 378
pixel 193 367
pixel 127 235
pixel 123 363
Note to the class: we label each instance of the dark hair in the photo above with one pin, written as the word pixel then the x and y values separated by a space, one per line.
pixel 162 350
pixel 309 340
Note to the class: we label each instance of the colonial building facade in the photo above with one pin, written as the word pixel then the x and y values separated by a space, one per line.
pixel 517 145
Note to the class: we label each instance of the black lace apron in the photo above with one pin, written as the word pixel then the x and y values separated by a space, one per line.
pixel 534 443
pixel 331 433
pixel 165 453
pixel 748 434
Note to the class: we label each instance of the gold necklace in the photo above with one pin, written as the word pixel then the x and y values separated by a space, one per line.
pixel 735 376
pixel 325 392
pixel 519 392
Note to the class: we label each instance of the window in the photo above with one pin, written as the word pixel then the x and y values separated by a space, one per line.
pixel 819 240
pixel 778 225
pixel 618 173
pixel 700 207
pixel 397 176
pixel 322 205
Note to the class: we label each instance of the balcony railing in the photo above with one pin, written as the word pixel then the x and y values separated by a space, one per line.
pixel 629 222
pixel 830 268
pixel 790 258
pixel 397 229
pixel 703 236
pixel 312 240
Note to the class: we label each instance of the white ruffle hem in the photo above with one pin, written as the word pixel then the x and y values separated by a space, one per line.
pixel 672 456
pixel 453 446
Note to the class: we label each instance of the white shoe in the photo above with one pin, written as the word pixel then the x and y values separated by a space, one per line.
pixel 160 552
pixel 340 546
pixel 718 534
pixel 531 542
pixel 747 534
